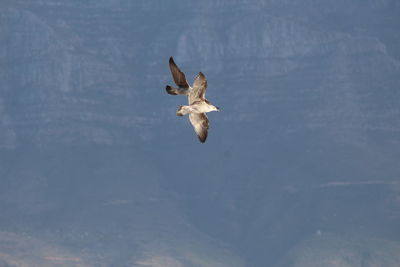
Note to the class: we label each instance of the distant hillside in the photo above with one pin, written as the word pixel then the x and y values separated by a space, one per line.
pixel 328 250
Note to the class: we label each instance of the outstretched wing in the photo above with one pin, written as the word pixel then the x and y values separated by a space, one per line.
pixel 176 91
pixel 178 75
pixel 200 125
pixel 199 88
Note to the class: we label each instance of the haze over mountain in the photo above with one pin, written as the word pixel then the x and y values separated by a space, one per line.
pixel 300 166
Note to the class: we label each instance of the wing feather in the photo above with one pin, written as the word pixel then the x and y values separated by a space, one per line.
pixel 200 125
pixel 176 91
pixel 178 75
pixel 199 88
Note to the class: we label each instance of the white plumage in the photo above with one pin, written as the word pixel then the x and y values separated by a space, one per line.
pixel 198 104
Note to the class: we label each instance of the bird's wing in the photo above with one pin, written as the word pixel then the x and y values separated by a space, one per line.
pixel 178 75
pixel 200 125
pixel 199 88
pixel 176 91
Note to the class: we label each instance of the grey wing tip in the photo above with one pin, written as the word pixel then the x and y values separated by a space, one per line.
pixel 202 78
pixel 202 137
pixel 170 90
pixel 202 140
pixel 202 75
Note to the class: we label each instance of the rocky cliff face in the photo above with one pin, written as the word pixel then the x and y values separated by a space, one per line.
pixel 307 140
pixel 66 65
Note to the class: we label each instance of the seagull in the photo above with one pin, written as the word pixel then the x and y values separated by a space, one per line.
pixel 198 104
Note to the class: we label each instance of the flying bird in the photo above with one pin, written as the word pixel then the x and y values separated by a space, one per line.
pixel 198 104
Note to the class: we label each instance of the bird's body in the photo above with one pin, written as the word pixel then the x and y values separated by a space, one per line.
pixel 198 104
pixel 196 107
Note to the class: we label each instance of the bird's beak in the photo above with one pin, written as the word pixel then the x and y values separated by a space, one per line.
pixel 217 108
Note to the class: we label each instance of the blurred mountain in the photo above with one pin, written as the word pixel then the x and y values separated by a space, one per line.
pixel 94 161
pixel 331 250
